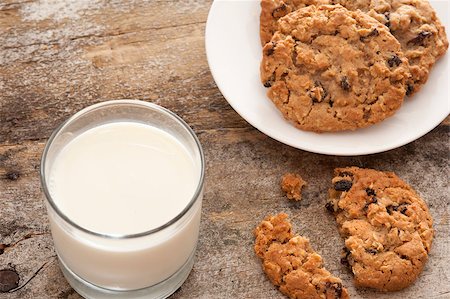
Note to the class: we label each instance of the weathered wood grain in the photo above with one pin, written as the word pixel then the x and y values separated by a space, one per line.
pixel 243 172
pixel 54 62
pixel 151 51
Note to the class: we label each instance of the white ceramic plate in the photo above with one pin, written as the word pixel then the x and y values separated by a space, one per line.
pixel 234 53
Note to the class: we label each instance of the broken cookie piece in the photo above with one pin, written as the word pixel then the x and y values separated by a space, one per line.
pixel 293 184
pixel 386 225
pixel 291 264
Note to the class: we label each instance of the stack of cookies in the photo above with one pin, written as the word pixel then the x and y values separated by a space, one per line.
pixel 335 65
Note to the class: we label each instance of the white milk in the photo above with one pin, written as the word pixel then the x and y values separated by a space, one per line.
pixel 118 179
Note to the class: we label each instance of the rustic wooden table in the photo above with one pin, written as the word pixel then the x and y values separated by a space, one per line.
pixel 57 57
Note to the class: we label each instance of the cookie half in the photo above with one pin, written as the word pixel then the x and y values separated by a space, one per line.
pixel 414 24
pixel 387 227
pixel 331 69
pixel 291 264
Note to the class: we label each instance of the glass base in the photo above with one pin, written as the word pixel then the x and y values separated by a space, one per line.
pixel 158 291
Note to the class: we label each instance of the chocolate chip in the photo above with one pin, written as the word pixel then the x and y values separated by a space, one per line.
pixel 394 208
pixel 402 208
pixel 420 38
pixel 387 16
pixel 330 207
pixel 409 89
pixel 271 50
pixel 371 251
pixel 370 192
pixel 404 257
pixel 374 33
pixel 331 103
pixel 269 82
pixel 373 200
pixel 343 185
pixel 394 61
pixel 13 175
pixel 280 11
pixel 389 209
pixel 345 85
pixel 9 279
pixel 345 173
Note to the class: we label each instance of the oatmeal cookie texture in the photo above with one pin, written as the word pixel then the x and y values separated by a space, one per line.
pixel 413 22
pixel 331 69
pixel 273 10
pixel 292 184
pixel 387 227
pixel 291 264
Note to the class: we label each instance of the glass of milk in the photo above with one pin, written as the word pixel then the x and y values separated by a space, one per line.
pixel 123 184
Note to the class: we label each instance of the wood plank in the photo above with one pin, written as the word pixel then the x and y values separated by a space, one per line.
pixel 243 172
pixel 47 75
pixel 57 57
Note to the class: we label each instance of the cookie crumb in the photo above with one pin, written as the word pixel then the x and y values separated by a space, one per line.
pixel 292 184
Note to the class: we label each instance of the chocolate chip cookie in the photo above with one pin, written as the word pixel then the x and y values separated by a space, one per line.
pixel 387 227
pixel 413 22
pixel 291 264
pixel 331 69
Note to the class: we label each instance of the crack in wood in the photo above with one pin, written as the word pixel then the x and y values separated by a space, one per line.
pixel 441 295
pixel 4 247
pixel 137 31
pixel 34 274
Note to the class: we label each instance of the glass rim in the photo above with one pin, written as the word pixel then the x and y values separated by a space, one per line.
pixel 100 105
